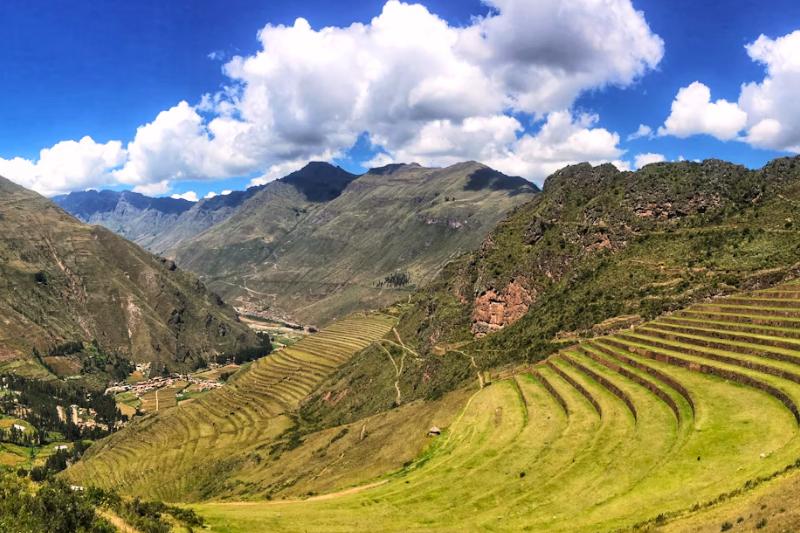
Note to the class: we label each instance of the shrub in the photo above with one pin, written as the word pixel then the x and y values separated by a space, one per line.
pixel 726 526
pixel 761 523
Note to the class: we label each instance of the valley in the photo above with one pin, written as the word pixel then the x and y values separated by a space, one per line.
pixel 400 266
pixel 611 356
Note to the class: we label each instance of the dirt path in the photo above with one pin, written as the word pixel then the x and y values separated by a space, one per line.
pixel 321 497
pixel 475 366
pixel 117 522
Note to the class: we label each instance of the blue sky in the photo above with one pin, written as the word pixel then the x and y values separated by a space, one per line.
pixel 73 69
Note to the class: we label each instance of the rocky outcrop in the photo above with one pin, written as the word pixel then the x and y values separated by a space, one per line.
pixel 492 310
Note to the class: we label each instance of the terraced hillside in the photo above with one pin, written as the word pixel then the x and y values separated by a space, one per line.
pixel 204 447
pixel 645 425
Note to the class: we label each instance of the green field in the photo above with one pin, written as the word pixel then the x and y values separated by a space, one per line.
pixel 637 427
pixel 648 426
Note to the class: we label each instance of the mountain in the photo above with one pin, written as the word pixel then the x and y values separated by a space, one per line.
pixel 597 251
pixel 321 243
pixel 618 353
pixel 136 217
pixel 157 224
pixel 72 290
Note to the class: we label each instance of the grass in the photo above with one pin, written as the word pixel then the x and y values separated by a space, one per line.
pixel 641 441
pixel 210 445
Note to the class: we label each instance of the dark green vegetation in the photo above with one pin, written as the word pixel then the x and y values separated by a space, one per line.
pixel 36 402
pixel 623 348
pixel 52 507
pixel 78 300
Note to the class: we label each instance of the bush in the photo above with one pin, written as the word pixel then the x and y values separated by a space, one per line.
pixel 761 523
pixel 54 508
pixel 726 526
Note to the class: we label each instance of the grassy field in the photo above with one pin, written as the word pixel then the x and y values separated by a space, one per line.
pixel 211 445
pixel 674 424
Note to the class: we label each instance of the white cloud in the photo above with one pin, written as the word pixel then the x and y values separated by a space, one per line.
pixel 188 195
pixel 693 113
pixel 562 140
pixel 644 132
pixel 645 159
pixel 209 195
pixel 767 112
pixel 772 106
pixel 418 86
pixel 226 192
pixel 421 88
pixel 66 166
pixel 179 145
pixel 157 188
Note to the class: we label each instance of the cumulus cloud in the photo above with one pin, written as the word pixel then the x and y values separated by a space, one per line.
pixel 772 106
pixel 693 113
pixel 767 113
pixel 644 132
pixel 562 140
pixel 421 89
pixel 66 166
pixel 645 159
pixel 157 188
pixel 191 196
pixel 178 144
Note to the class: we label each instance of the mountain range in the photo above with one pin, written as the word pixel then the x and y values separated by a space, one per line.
pixel 320 242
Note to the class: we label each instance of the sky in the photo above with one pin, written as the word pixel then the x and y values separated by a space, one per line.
pixel 196 97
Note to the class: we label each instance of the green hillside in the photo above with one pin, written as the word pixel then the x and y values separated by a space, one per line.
pixel 223 442
pixel 623 351
pixel 80 298
pixel 642 426
pixel 596 251
pixel 294 250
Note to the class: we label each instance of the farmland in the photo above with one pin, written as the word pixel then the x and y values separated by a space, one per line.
pixel 201 447
pixel 649 425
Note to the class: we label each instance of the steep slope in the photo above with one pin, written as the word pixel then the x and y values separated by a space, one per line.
pixel 624 430
pixel 64 283
pixel 136 217
pixel 157 224
pixel 599 250
pixel 293 249
pixel 219 443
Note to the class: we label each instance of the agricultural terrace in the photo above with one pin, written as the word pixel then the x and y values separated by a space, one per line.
pixel 190 451
pixel 638 427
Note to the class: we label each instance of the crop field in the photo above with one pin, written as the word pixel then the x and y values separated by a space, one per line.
pixel 643 427
pixel 163 398
pixel 196 450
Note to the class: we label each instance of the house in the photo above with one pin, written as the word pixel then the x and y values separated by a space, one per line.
pixel 434 431
pixel 19 427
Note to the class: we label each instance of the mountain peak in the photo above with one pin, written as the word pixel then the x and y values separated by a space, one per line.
pixel 319 181
pixel 391 168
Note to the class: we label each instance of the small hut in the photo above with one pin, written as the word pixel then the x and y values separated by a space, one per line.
pixel 434 431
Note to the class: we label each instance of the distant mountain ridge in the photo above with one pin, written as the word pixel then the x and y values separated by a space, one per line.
pixel 319 242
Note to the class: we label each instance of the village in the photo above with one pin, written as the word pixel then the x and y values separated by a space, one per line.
pixel 141 388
